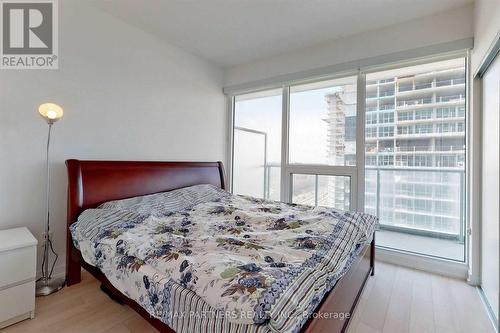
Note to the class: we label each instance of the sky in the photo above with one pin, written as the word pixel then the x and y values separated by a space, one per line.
pixel 308 130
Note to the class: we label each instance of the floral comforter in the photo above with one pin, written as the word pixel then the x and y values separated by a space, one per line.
pixel 255 262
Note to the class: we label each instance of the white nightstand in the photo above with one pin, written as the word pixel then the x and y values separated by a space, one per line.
pixel 17 275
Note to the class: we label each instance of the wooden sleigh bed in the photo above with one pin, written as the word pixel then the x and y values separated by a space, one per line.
pixel 91 183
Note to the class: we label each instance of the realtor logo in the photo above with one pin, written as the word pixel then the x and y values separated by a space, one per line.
pixel 29 35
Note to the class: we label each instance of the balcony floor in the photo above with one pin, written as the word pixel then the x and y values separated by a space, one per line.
pixel 443 248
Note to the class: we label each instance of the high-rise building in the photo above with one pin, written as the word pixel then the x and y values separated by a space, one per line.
pixel 341 148
pixel 414 148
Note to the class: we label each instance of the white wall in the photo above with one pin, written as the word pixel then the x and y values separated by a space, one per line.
pixel 486 27
pixel 125 94
pixel 441 28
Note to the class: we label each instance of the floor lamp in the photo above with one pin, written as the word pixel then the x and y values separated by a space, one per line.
pixel 46 284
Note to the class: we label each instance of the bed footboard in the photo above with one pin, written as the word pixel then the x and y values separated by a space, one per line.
pixel 337 308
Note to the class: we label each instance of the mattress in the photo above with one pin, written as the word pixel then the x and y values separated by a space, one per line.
pixel 201 259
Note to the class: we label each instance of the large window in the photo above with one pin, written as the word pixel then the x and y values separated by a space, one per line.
pixel 322 139
pixel 257 144
pixel 299 144
pixel 420 198
pixel 323 122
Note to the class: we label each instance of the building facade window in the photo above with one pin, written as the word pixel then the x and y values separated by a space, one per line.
pixel 387 117
pixel 423 114
pixel 386 160
pixel 406 129
pixel 405 115
pixel 371 160
pixel 386 131
pixel 423 128
pixel 371 118
pixel 371 132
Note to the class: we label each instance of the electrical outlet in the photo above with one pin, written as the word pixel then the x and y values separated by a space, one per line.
pixel 44 238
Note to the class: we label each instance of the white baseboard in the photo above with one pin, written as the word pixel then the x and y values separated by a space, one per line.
pixel 433 265
pixel 489 310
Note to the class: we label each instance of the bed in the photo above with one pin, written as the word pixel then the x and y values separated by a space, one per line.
pixel 327 308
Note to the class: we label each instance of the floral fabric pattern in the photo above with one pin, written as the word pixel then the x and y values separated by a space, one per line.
pixel 249 257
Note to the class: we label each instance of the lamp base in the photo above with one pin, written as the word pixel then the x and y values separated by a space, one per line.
pixel 49 286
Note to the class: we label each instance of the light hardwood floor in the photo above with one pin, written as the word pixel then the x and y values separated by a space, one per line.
pixel 400 300
pixel 396 299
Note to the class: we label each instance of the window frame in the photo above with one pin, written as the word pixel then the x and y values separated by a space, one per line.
pixel 356 173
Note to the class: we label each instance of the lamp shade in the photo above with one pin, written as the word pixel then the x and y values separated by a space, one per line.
pixel 50 112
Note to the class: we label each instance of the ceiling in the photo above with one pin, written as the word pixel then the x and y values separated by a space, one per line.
pixel 232 32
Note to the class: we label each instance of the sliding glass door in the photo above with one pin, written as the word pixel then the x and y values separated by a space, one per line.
pixel 391 143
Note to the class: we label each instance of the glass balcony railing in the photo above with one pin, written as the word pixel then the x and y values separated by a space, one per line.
pixel 450 82
pixel 403 87
pixel 386 93
pixel 418 101
pixel 453 98
pixel 447 149
pixel 384 81
pixel 387 107
pixel 412 148
pixel 425 201
pixel 381 94
pixel 423 85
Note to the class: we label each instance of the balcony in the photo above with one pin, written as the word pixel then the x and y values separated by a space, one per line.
pixel 450 82
pixel 415 86
pixel 429 102
pixel 428 135
pixel 387 93
pixel 413 102
pixel 381 94
pixel 386 107
pixel 383 82
pixel 430 150
pixel 435 247
pixel 413 227
pixel 433 119
pixel 451 98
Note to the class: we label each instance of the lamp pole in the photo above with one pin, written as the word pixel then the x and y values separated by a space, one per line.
pixel 46 284
pixel 45 269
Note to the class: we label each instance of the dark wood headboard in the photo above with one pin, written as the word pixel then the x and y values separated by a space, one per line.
pixel 90 183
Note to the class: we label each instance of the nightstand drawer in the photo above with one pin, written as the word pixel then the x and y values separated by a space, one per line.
pixel 17 265
pixel 16 301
